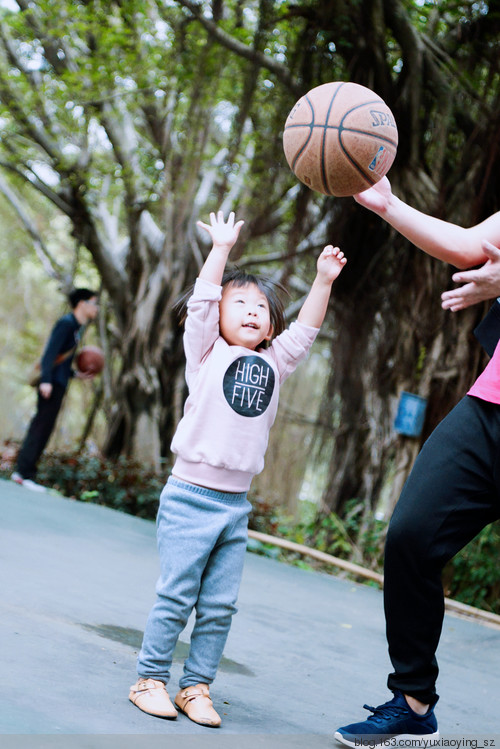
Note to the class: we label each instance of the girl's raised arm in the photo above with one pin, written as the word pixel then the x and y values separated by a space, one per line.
pixel 224 235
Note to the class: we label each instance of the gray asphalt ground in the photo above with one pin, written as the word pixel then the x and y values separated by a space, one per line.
pixel 305 651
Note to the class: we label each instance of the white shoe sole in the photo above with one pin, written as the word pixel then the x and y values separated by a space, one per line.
pixel 34 487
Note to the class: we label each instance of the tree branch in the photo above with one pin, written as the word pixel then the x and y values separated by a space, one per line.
pixel 279 70
pixel 50 48
pixel 275 257
pixel 123 137
pixel 14 104
pixel 32 179
pixel 51 266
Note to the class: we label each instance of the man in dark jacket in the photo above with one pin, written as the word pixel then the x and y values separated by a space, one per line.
pixel 55 373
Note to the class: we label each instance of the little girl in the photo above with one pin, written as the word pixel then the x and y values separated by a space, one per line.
pixel 233 373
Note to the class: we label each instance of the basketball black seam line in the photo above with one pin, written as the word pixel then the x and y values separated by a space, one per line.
pixel 341 129
pixel 340 126
pixel 311 127
pixel 326 186
pixel 347 130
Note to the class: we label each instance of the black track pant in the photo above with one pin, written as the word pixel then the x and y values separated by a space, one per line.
pixel 39 431
pixel 452 493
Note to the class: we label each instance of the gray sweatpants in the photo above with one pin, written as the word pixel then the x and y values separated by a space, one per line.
pixel 202 537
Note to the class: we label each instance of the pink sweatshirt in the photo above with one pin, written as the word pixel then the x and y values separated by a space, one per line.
pixel 222 437
pixel 487 385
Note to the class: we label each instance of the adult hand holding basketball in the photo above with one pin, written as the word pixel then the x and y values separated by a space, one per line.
pixel 376 198
pixel 340 138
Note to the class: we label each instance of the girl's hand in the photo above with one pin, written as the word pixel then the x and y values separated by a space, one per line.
pixel 330 263
pixel 223 233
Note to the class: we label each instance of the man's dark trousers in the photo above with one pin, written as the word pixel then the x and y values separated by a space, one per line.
pixel 39 431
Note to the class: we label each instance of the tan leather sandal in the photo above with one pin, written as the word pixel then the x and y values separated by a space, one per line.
pixel 151 696
pixel 195 702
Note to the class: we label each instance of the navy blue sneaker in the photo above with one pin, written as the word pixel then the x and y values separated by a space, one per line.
pixel 394 719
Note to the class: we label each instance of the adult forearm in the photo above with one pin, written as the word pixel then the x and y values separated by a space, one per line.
pixel 443 240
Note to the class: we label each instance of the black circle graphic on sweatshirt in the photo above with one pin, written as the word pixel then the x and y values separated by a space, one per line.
pixel 249 385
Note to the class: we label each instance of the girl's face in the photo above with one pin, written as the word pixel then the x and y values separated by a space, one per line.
pixel 244 317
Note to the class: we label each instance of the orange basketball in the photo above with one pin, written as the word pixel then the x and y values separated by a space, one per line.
pixel 340 138
pixel 90 360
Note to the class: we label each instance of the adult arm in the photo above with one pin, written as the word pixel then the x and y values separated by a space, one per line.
pixel 462 247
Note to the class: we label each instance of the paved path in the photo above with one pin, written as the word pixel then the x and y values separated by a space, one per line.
pixel 306 649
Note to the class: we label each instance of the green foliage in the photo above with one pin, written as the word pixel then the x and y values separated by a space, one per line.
pixel 351 537
pixel 265 550
pixel 473 576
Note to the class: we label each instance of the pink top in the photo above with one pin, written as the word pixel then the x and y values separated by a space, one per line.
pixel 222 437
pixel 487 385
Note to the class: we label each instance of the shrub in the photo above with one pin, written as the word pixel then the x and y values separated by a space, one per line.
pixel 122 484
pixel 473 576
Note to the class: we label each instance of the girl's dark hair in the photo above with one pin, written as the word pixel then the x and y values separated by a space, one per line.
pixel 271 290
